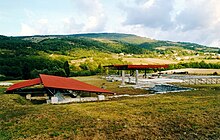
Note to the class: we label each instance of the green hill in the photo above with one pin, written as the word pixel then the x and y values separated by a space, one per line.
pixel 124 39
pixel 143 41
pixel 128 38
pixel 26 56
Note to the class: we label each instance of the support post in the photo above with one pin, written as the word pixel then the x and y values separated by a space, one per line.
pixel 145 73
pixel 136 77
pixel 129 79
pixel 123 78
pixel 28 96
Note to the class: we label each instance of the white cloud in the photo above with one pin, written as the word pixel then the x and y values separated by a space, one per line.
pixel 95 15
pixel 70 26
pixel 43 21
pixel 94 24
pixel 200 21
pixel 89 7
pixel 196 15
pixel 26 30
pixel 88 17
pixel 178 20
pixel 152 13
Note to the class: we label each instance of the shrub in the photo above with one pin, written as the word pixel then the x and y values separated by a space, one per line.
pixel 215 73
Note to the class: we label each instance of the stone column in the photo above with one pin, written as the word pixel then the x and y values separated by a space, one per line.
pixel 28 96
pixel 123 78
pixel 129 79
pixel 136 77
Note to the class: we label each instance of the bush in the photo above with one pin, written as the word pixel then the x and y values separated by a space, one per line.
pixel 215 73
pixel 84 73
pixel 2 77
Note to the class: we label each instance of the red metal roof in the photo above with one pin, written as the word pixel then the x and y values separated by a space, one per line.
pixel 146 66
pixel 26 83
pixel 136 67
pixel 69 83
pixel 60 83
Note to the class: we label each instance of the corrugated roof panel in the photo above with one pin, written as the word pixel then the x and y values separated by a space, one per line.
pixel 50 81
pixel 146 66
pixel 24 84
pixel 137 67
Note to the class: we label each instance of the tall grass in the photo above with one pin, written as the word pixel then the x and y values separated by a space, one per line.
pixel 186 115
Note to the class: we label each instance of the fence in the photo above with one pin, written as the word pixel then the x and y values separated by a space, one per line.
pixel 202 80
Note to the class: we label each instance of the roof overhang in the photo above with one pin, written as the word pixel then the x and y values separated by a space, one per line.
pixel 24 84
pixel 69 83
pixel 137 67
pixel 57 82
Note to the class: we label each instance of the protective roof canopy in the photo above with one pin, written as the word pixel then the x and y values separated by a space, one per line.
pixel 23 84
pixel 49 81
pixel 137 67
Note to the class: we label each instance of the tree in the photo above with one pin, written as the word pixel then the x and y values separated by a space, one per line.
pixel 67 68
pixel 84 66
pixel 34 73
pixel 26 72
pixel 60 72
pixel 100 69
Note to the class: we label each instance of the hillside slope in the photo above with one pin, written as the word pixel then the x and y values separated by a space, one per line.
pixel 146 43
pixel 26 56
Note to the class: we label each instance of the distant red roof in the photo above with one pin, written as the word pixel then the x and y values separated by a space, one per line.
pixel 146 66
pixel 59 83
pixel 137 67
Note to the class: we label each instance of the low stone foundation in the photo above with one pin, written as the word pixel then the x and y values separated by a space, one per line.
pixel 54 100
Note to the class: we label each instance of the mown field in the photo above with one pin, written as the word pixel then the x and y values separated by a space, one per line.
pixel 196 71
pixel 147 61
pixel 186 115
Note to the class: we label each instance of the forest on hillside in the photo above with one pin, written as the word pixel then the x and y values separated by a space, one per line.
pixel 26 57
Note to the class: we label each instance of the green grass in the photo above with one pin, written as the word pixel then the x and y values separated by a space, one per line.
pixel 186 115
pixel 205 87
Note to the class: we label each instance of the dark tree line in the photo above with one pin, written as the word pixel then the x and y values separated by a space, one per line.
pixel 201 64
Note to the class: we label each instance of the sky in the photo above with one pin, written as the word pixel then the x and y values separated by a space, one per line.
pixel 195 21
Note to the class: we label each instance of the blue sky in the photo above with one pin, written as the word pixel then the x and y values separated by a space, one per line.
pixel 176 20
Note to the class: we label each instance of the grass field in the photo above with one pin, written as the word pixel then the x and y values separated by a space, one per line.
pixel 186 115
pixel 196 71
